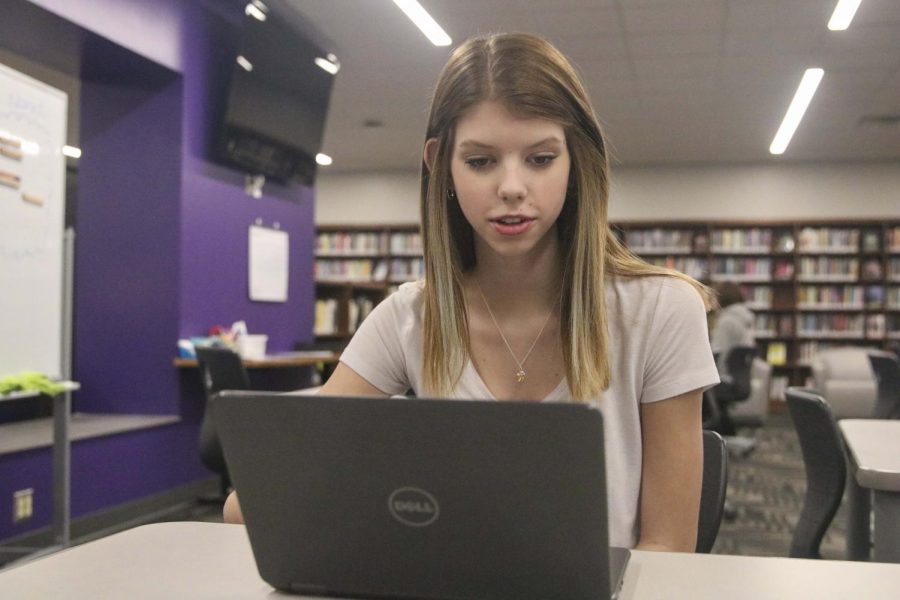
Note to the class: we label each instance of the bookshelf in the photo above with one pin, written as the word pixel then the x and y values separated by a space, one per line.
pixel 356 267
pixel 812 284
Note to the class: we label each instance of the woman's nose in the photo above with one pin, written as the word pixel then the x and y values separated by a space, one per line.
pixel 512 184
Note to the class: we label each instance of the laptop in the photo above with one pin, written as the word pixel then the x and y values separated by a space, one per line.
pixel 416 498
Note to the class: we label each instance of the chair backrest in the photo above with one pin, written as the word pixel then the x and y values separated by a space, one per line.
pixel 739 365
pixel 221 369
pixel 824 459
pixel 712 496
pixel 843 376
pixel 887 374
pixel 755 410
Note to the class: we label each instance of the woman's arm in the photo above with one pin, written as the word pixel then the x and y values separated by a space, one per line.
pixel 231 513
pixel 347 382
pixel 672 473
pixel 343 382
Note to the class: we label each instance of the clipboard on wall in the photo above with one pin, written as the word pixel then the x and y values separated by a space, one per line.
pixel 268 261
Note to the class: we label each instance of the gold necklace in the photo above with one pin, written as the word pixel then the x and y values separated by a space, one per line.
pixel 520 374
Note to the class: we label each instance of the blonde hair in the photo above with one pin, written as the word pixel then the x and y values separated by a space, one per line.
pixel 532 79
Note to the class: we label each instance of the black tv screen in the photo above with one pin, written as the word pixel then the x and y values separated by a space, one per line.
pixel 276 109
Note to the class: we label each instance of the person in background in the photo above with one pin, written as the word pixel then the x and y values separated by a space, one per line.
pixel 732 326
pixel 529 296
pixel 733 322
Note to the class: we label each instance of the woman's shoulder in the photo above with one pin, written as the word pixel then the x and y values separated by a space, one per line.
pixel 409 293
pixel 406 300
pixel 652 286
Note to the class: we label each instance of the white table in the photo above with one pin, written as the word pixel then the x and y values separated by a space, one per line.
pixel 874 461
pixel 188 560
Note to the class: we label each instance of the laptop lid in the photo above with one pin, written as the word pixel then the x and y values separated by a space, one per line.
pixel 416 498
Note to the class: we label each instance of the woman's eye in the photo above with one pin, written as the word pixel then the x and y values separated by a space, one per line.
pixel 543 159
pixel 478 162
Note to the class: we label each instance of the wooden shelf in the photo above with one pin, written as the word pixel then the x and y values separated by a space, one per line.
pixel 342 299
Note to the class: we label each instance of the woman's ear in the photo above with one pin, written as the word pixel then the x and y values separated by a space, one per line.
pixel 431 147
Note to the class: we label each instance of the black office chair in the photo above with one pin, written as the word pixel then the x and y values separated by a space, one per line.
pixel 887 373
pixel 824 459
pixel 221 369
pixel 735 387
pixel 712 496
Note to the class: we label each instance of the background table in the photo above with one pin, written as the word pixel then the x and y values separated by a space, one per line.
pixel 282 372
pixel 286 360
pixel 188 560
pixel 873 448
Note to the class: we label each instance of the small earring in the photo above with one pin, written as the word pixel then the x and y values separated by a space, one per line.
pixel 451 193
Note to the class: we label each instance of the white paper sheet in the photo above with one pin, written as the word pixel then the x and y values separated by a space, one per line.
pixel 268 264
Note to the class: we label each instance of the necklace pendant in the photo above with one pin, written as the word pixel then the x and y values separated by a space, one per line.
pixel 520 375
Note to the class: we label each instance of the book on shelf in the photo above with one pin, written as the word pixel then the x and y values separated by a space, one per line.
pixel 776 353
pixel 813 297
pixel 358 309
pixel 407 244
pixel 871 241
pixel 349 243
pixel 380 272
pixel 875 327
pixel 751 241
pixel 874 296
pixel 893 298
pixel 784 270
pixel 325 322
pixel 872 269
pixel 658 240
pixel 892 239
pixel 701 242
pixel 894 269
pixel 828 239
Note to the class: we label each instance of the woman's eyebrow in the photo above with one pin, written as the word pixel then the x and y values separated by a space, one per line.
pixel 475 144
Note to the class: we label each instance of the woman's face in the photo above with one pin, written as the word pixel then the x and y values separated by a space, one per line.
pixel 510 176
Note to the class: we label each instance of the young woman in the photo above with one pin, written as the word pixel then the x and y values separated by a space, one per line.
pixel 528 296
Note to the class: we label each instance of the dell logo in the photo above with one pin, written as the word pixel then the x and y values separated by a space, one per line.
pixel 413 507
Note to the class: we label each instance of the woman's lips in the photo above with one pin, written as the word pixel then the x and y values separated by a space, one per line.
pixel 512 225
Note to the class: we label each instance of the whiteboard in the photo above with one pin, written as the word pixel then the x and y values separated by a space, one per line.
pixel 32 212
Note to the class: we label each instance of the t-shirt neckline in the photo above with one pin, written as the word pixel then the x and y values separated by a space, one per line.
pixel 555 393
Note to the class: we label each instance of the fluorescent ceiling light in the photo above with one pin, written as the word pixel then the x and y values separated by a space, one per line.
pixel 246 64
pixel 329 64
pixel 843 14
pixel 323 159
pixel 424 22
pixel 256 9
pixel 71 151
pixel 794 115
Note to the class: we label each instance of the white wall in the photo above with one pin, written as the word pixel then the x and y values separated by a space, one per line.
pixel 754 192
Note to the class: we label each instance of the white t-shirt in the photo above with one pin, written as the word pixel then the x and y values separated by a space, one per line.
pixel 659 349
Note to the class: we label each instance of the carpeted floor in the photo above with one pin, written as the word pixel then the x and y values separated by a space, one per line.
pixel 767 490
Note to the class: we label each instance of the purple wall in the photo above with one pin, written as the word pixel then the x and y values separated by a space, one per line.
pixel 216 213
pixel 127 248
pixel 161 246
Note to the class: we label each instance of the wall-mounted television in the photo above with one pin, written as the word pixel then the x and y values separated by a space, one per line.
pixel 277 103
